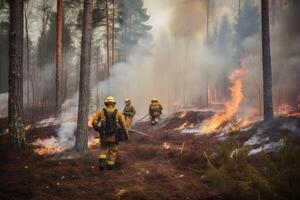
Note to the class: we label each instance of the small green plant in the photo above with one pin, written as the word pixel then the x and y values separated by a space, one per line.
pixel 235 178
pixel 283 171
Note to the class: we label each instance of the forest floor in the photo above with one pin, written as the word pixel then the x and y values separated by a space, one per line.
pixel 167 165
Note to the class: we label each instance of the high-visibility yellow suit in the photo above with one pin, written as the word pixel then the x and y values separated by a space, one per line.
pixel 108 121
pixel 155 110
pixel 128 112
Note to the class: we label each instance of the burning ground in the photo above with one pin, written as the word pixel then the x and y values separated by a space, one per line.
pixel 174 163
pixel 191 154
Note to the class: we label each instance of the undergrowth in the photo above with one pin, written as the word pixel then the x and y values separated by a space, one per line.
pixel 236 178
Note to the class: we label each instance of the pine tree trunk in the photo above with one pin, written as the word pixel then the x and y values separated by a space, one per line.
pixel 15 101
pixel 266 59
pixel 59 60
pixel 107 46
pixel 113 34
pixel 28 56
pixel 84 86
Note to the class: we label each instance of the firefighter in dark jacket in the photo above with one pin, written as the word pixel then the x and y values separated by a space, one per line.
pixel 128 112
pixel 155 110
pixel 108 121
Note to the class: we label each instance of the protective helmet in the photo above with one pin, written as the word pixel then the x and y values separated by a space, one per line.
pixel 127 100
pixel 154 100
pixel 110 100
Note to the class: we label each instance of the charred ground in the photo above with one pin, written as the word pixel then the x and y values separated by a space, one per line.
pixel 167 165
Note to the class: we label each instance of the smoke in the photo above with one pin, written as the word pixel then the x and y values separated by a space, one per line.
pixel 3 105
pixel 183 60
pixel 187 18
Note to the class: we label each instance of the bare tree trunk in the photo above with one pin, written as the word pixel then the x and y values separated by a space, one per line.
pixel 59 60
pixel 28 56
pixel 266 59
pixel 15 91
pixel 97 75
pixel 207 37
pixel 273 12
pixel 113 34
pixel 107 46
pixel 84 86
pixel 45 16
pixel 207 18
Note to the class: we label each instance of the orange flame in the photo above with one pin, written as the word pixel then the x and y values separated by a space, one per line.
pixel 232 106
pixel 46 149
pixel 285 109
pixel 93 142
pixel 298 102
pixel 166 145
pixel 90 125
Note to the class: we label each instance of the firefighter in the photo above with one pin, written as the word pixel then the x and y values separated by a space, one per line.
pixel 109 122
pixel 155 110
pixel 128 112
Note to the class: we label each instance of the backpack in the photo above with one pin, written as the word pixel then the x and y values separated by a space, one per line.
pixel 110 126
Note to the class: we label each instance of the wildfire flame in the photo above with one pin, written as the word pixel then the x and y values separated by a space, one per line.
pixel 166 145
pixel 46 149
pixel 90 125
pixel 285 109
pixel 93 142
pixel 182 115
pixel 232 106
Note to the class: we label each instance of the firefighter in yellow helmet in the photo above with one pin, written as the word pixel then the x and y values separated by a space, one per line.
pixel 111 125
pixel 155 110
pixel 128 112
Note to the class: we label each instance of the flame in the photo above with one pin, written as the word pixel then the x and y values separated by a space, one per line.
pixel 182 115
pixel 90 125
pixel 46 149
pixel 182 126
pixel 28 127
pixel 285 109
pixel 167 145
pixel 93 142
pixel 298 102
pixel 232 106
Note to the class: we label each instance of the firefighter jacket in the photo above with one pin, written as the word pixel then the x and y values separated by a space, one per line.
pixel 99 118
pixel 155 107
pixel 129 111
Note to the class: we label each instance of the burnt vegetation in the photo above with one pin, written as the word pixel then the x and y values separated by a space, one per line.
pixel 226 74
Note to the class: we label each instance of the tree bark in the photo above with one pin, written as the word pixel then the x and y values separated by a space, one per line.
pixel 15 99
pixel 107 46
pixel 28 56
pixel 81 143
pixel 266 60
pixel 59 60
pixel 113 34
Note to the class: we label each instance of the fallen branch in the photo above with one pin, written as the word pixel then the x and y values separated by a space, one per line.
pixel 208 160
pixel 181 149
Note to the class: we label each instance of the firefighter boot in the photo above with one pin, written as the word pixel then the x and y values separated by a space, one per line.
pixel 109 167
pixel 102 163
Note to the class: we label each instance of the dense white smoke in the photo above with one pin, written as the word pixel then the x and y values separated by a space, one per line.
pixel 179 64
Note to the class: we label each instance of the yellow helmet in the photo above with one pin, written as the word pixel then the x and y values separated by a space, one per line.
pixel 154 100
pixel 109 100
pixel 127 100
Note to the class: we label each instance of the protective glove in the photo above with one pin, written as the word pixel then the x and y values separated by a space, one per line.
pixel 98 129
pixel 126 136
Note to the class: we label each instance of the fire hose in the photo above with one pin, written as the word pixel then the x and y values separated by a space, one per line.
pixel 138 132
pixel 135 131
pixel 142 118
